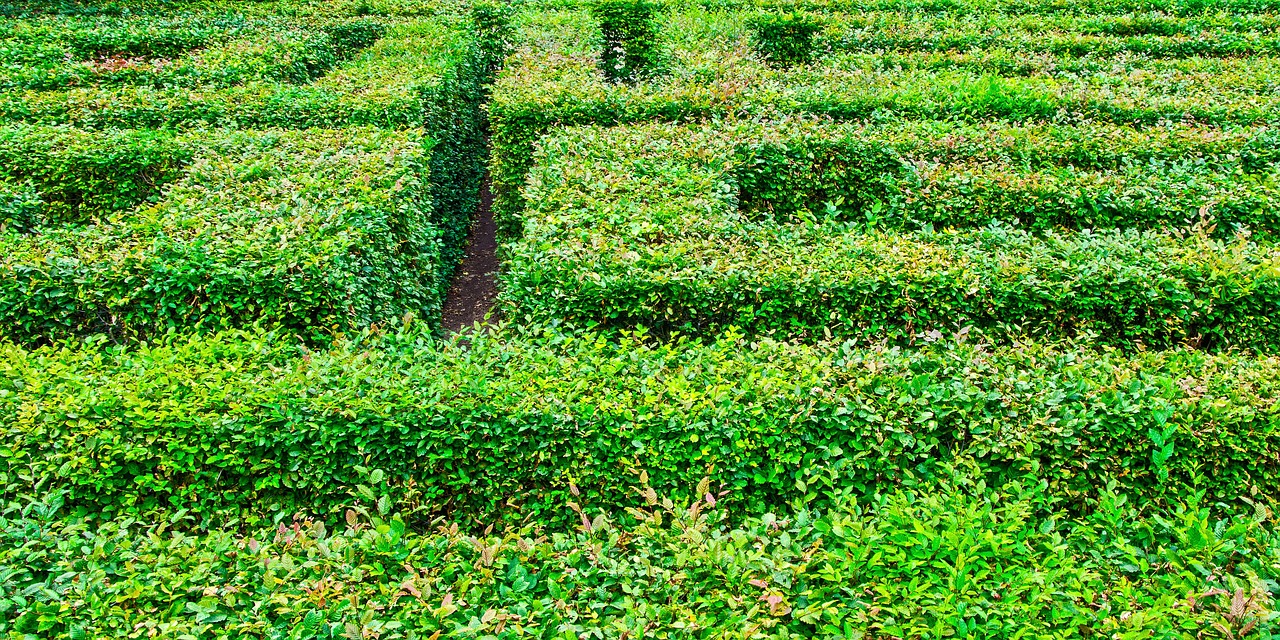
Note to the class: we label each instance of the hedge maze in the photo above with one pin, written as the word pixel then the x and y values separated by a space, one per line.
pixel 212 170
pixel 891 319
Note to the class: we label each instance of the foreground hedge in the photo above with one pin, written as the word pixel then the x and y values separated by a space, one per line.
pixel 932 560
pixel 694 229
pixel 313 231
pixel 235 425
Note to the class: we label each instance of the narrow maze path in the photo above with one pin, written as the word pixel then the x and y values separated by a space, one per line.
pixel 475 287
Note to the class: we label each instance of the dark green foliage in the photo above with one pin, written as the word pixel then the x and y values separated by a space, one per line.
pixel 784 39
pixel 630 39
pixel 350 37
pixel 21 207
pixel 83 175
pixel 237 425
pixel 494 35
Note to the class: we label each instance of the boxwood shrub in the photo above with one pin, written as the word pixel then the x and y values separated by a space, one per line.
pixel 513 425
pixel 315 230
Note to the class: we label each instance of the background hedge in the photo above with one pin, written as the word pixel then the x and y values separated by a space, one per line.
pixel 646 226
pixel 552 81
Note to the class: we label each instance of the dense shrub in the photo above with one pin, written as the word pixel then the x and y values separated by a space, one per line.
pixel 21 207
pixel 629 41
pixel 662 241
pixel 784 39
pixel 236 425
pixel 242 51
pixel 81 175
pixel 494 34
pixel 390 84
pixel 316 231
pixel 912 562
pixel 541 90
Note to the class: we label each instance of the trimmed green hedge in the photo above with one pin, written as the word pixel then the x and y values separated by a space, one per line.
pixel 923 174
pixel 921 561
pixel 393 83
pixel 238 425
pixel 425 74
pixel 83 175
pixel 646 226
pixel 552 81
pixel 315 231
pixel 21 207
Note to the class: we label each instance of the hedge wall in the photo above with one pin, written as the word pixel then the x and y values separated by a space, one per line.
pixel 315 231
pixel 390 84
pixel 84 175
pixel 552 81
pixel 646 226
pixel 235 425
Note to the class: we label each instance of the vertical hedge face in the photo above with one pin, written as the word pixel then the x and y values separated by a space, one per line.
pixel 786 39
pixel 630 47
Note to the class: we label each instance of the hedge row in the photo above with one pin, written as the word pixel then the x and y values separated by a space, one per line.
pixel 543 89
pixel 315 231
pixel 951 557
pixel 261 51
pixel 1174 38
pixel 83 175
pixel 921 174
pixel 393 83
pixel 644 226
pixel 1139 10
pixel 53 40
pixel 513 426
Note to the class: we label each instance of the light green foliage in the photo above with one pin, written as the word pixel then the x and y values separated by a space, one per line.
pixel 875 319
pixel 933 559
pixel 239 425
pixel 899 231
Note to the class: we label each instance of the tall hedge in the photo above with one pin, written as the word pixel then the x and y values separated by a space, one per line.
pixel 507 425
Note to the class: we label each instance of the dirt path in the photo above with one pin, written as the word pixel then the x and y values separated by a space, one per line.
pixel 475 286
